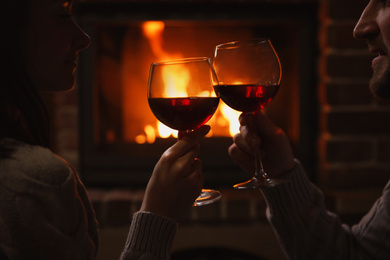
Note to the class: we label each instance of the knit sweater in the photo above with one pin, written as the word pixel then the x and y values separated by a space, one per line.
pixel 45 212
pixel 306 230
pixel 150 237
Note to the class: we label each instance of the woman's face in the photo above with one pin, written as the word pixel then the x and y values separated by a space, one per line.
pixel 52 44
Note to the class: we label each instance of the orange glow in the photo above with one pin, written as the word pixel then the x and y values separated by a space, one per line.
pixel 66 5
pixel 225 120
pixel 153 32
pixel 231 116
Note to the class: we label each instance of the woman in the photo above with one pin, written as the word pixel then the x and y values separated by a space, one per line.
pixel 45 212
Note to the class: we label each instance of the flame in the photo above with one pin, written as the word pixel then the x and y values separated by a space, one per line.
pixel 232 117
pixel 153 32
pixel 164 131
pixel 177 80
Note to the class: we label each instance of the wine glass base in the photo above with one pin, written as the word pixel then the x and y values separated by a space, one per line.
pixel 256 183
pixel 207 196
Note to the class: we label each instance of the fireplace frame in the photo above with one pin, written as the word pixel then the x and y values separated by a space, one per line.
pixel 104 169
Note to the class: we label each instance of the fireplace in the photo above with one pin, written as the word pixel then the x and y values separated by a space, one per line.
pixel 119 137
pixel 116 156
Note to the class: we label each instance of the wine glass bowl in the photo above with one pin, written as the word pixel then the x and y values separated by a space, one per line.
pixel 183 94
pixel 249 74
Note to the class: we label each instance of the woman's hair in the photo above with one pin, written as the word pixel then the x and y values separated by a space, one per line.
pixel 22 113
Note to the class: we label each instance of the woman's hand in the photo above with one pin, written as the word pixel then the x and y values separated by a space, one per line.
pixel 177 178
pixel 258 130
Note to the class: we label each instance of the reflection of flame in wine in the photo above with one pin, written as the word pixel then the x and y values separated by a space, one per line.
pixel 178 80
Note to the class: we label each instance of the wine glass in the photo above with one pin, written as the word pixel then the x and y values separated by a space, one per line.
pixel 183 94
pixel 249 75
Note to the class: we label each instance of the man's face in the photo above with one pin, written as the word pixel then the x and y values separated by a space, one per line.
pixel 374 27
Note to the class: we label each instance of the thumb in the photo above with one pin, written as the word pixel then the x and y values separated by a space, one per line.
pixel 188 139
pixel 259 123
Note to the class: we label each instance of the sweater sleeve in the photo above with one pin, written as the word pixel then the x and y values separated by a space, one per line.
pixel 306 230
pixel 44 211
pixel 150 237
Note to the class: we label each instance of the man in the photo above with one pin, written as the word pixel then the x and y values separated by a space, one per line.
pixel 305 229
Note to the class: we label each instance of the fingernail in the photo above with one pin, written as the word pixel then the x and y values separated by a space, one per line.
pixel 208 128
pixel 243 119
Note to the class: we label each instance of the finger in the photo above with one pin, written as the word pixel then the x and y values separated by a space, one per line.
pixel 247 139
pixel 196 165
pixel 242 158
pixel 258 125
pixel 198 133
pixel 182 165
pixel 181 134
pixel 189 140
pixel 264 125
pixel 186 160
pixel 243 118
pixel 196 177
pixel 241 141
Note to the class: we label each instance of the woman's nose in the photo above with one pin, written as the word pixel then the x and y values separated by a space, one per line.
pixel 81 40
pixel 367 27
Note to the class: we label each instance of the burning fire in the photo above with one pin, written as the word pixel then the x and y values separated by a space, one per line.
pixel 225 120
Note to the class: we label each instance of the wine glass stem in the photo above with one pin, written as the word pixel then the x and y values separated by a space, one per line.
pixel 259 169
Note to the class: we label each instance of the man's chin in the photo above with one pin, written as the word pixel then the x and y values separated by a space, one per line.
pixel 380 84
pixel 380 92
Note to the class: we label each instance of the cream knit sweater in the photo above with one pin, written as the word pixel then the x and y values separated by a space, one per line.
pixel 45 212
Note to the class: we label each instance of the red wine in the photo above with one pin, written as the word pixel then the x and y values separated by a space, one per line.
pixel 248 98
pixel 184 113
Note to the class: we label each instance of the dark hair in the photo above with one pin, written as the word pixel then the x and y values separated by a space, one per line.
pixel 22 113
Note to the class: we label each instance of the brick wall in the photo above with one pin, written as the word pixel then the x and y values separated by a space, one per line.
pixel 354 133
